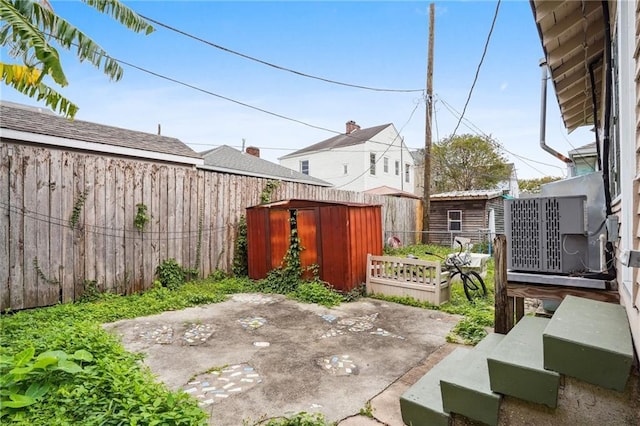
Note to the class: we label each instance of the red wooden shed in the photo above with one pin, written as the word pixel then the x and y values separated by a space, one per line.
pixel 336 235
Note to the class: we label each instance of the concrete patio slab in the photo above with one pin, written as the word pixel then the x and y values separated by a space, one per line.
pixel 260 356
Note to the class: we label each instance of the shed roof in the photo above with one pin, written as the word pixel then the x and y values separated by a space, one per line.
pixel 391 192
pixel 354 138
pixel 21 120
pixel 299 203
pixel 476 194
pixel 229 160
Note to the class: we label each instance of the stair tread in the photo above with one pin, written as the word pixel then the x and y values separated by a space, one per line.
pixel 425 393
pixel 467 391
pixel 516 365
pixel 473 372
pixel 523 345
pixel 591 323
pixel 591 341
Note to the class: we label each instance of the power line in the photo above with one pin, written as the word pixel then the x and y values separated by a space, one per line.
pixel 475 79
pixel 480 132
pixel 272 65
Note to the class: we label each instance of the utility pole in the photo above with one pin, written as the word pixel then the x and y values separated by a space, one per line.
pixel 426 201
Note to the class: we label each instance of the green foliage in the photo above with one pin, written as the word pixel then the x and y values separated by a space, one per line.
pixel 286 278
pixel 218 275
pixel 465 162
pixel 316 292
pixel 141 218
pixel 41 275
pixel 112 387
pixel 533 186
pixel 25 379
pixel 90 292
pixel 265 196
pixel 172 275
pixel 367 410
pixel 240 266
pixel 299 419
pixel 29 28
pixel 77 208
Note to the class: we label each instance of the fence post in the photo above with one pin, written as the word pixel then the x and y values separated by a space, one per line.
pixel 503 315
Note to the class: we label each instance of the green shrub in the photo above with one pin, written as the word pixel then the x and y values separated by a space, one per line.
pixel 172 275
pixel 316 292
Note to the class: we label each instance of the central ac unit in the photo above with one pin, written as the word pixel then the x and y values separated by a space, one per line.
pixel 547 234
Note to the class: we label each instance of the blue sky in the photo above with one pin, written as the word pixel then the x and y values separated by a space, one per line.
pixel 379 44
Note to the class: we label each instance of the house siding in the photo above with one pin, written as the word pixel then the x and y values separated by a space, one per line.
pixel 474 218
pixel 329 165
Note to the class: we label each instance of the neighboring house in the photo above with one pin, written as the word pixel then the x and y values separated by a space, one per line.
pixel 477 214
pixel 577 37
pixel 585 160
pixel 34 125
pixel 225 159
pixel 358 160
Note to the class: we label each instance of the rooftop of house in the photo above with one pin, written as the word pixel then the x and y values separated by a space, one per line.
pixel 392 192
pixel 475 194
pixel 21 119
pixel 584 150
pixel 229 160
pixel 354 135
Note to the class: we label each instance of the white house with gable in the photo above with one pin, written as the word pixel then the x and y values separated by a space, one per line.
pixel 358 160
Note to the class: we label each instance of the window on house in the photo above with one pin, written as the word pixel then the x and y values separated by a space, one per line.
pixel 304 167
pixel 454 220
pixel 372 163
pixel 397 168
pixel 345 169
pixel 407 175
pixel 386 164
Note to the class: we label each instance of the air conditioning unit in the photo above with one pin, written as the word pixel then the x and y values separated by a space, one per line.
pixel 547 234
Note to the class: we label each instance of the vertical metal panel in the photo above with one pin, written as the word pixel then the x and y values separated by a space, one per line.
pixel 333 225
pixel 307 223
pixel 278 235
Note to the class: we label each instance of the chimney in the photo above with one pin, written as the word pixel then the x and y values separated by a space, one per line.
pixel 352 126
pixel 252 150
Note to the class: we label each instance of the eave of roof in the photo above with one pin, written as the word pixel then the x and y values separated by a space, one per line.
pixel 477 194
pixel 48 128
pixel 391 192
pixel 572 36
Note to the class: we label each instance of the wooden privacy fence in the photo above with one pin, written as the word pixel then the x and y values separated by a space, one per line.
pixel 68 220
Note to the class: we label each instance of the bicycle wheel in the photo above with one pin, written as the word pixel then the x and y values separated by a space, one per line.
pixel 473 284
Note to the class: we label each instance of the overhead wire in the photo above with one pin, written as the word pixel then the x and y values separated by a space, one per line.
pixel 480 132
pixel 386 150
pixel 272 65
pixel 475 79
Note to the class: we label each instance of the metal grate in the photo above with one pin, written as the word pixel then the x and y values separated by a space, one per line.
pixel 525 234
pixel 551 235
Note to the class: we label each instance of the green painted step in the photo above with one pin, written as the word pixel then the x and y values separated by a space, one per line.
pixel 591 341
pixel 421 404
pixel 467 390
pixel 516 365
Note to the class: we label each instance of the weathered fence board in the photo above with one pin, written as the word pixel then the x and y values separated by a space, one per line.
pixel 193 218
pixel 5 299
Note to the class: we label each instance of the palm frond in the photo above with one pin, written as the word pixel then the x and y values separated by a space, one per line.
pixel 27 80
pixel 122 14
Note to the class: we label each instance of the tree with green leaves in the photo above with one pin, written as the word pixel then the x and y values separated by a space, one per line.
pixel 466 162
pixel 30 28
pixel 533 186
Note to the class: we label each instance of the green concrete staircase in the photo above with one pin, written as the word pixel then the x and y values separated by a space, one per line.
pixel 585 339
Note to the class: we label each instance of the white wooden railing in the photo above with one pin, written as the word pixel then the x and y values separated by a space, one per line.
pixel 423 280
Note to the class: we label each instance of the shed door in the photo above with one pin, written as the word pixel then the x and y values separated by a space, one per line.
pixel 279 233
pixel 307 220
